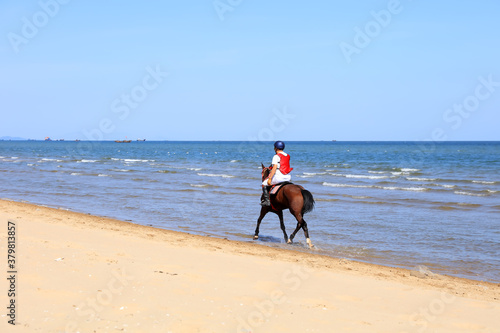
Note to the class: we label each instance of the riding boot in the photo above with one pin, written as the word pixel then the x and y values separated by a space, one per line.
pixel 265 197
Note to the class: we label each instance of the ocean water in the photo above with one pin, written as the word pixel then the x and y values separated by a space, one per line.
pixel 392 203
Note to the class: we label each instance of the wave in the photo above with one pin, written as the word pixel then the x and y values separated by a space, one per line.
pixel 87 161
pixel 234 161
pixel 484 182
pixel 470 194
pixel 358 176
pixel 346 185
pixel 76 174
pixel 417 189
pixel 103 175
pixel 444 185
pixel 166 171
pixel 204 186
pixel 421 179
pixel 215 175
pixel 400 173
pixel 389 188
pixel 132 160
pixel 194 169
pixel 366 177
pixel 313 173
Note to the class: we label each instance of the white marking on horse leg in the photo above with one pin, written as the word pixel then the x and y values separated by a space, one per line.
pixel 309 243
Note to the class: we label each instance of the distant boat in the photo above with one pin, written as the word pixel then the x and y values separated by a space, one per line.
pixel 48 139
pixel 123 141
pixel 141 139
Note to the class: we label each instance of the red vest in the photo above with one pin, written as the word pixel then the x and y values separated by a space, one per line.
pixel 285 164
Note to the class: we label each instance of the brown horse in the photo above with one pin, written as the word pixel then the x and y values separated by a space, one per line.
pixel 293 197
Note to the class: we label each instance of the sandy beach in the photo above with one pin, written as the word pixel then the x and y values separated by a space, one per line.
pixel 81 273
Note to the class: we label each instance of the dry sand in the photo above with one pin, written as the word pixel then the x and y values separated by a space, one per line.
pixel 82 273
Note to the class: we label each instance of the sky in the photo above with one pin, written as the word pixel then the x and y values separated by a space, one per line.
pixel 250 70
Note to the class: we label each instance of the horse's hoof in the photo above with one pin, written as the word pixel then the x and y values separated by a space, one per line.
pixel 309 243
pixel 255 237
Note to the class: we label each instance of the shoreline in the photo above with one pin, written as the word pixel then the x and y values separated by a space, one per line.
pixel 213 284
pixel 305 251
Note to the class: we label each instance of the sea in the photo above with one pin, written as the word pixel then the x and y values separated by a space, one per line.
pixel 399 204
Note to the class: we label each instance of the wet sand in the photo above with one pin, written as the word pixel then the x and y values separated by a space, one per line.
pixel 82 273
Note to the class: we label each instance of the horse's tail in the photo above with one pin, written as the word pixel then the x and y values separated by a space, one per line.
pixel 308 202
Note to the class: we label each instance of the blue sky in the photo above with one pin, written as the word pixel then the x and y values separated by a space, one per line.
pixel 250 70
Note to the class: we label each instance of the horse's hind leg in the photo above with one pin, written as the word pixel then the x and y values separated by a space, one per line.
pixel 263 212
pixel 306 233
pixel 282 224
pixel 301 223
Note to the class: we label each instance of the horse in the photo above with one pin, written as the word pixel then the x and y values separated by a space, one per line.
pixel 293 197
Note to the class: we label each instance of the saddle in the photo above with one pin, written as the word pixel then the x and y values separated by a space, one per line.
pixel 277 187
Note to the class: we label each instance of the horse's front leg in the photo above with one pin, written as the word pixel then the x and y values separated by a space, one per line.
pixel 263 212
pixel 282 224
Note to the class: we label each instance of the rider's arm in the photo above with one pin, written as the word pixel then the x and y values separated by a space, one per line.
pixel 271 174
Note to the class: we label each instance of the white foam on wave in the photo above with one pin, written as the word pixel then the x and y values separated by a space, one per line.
pixel 400 173
pixel 76 174
pixel 195 169
pixel 409 170
pixel 132 160
pixel 470 194
pixel 215 175
pixel 358 176
pixel 389 188
pixel 87 161
pixel 234 161
pixel 421 179
pixel 345 185
pixel 446 186
pixel 313 173
pixel 377 172
pixel 103 175
pixel 49 159
pixel 483 182
pixel 366 177
pixel 198 185
pixel 416 189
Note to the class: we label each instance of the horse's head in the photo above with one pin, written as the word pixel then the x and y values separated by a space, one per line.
pixel 265 171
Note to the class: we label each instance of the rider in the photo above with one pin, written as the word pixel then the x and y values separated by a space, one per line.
pixel 280 171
